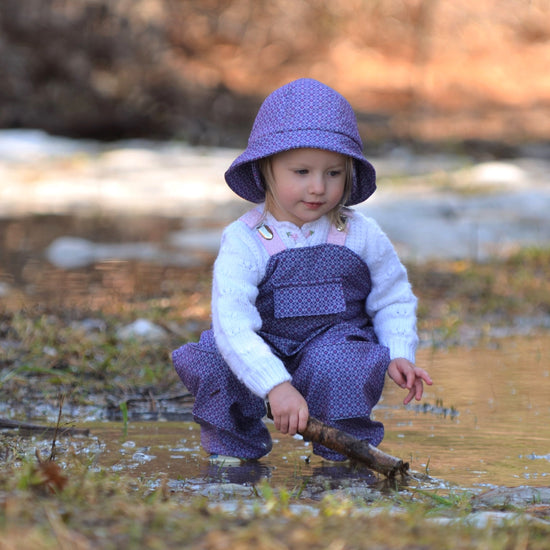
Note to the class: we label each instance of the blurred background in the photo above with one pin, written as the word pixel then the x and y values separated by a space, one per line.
pixel 118 119
pixel 414 70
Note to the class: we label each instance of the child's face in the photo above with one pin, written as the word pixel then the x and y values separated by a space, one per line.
pixel 307 184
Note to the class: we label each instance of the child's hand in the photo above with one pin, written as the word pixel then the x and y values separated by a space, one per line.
pixel 288 408
pixel 406 375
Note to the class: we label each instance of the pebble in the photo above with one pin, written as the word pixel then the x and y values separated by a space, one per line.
pixel 498 173
pixel 5 289
pixel 90 326
pixel 518 497
pixel 74 252
pixel 142 330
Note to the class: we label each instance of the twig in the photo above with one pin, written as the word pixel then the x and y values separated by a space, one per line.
pixel 48 431
pixel 56 431
pixel 356 449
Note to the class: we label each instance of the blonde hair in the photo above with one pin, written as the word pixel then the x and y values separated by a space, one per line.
pixel 337 215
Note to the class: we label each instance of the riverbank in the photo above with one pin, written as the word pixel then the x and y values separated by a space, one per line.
pixel 433 206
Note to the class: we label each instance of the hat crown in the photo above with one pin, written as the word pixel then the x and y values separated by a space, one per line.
pixel 305 104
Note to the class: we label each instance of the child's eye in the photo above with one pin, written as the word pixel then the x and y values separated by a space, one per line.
pixel 301 171
pixel 334 173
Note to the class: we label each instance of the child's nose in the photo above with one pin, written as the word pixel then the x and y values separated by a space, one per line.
pixel 316 184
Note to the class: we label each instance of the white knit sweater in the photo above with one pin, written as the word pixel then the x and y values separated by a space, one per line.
pixel 241 265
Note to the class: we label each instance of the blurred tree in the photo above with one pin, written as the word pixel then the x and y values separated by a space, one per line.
pixel 95 68
pixel 83 68
pixel 198 69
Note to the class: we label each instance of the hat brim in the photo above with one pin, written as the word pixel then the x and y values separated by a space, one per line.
pixel 243 177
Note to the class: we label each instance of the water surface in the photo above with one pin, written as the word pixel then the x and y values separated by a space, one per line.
pixel 484 422
pixel 501 434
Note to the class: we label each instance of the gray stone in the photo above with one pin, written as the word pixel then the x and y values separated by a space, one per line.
pixel 144 330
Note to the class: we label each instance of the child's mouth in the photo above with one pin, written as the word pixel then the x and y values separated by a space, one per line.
pixel 313 205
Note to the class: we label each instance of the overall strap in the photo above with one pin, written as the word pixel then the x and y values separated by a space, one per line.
pixel 269 238
pixel 338 234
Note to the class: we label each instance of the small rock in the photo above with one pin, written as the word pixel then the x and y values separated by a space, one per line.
pixel 144 330
pixel 498 173
pixel 5 289
pixel 49 351
pixel 90 326
pixel 71 253
pixel 519 497
pixel 224 490
pixel 142 457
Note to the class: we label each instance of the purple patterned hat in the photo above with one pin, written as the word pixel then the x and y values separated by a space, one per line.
pixel 302 114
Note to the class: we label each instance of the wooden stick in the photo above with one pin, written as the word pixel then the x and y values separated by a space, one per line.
pixel 46 431
pixel 356 449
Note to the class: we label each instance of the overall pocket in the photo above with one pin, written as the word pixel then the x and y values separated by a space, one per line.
pixel 309 299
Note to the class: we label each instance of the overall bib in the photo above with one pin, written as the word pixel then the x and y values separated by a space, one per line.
pixel 312 304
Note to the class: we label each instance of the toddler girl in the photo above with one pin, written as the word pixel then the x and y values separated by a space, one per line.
pixel 310 303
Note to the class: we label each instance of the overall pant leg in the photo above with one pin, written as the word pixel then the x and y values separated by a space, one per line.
pixel 229 414
pixel 342 380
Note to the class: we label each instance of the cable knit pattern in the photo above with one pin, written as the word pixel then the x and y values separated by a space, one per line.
pixel 241 266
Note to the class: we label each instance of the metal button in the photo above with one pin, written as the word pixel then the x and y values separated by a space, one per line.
pixel 265 232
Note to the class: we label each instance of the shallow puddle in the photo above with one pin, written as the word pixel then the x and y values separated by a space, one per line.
pixel 484 422
pixel 501 434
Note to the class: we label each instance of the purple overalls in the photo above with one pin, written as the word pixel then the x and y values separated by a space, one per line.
pixel 312 304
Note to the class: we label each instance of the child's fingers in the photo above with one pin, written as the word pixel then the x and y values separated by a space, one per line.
pixel 417 374
pixel 400 378
pixel 419 389
pixel 292 425
pixel 298 422
pixel 416 391
pixel 426 377
pixel 409 397
pixel 421 373
pixel 281 423
pixel 413 380
pixel 303 416
pixel 411 377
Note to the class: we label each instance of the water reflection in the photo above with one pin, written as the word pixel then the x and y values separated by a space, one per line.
pixel 502 397
pixel 499 433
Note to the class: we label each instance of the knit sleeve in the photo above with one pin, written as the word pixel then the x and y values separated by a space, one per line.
pixel 391 303
pixel 238 270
